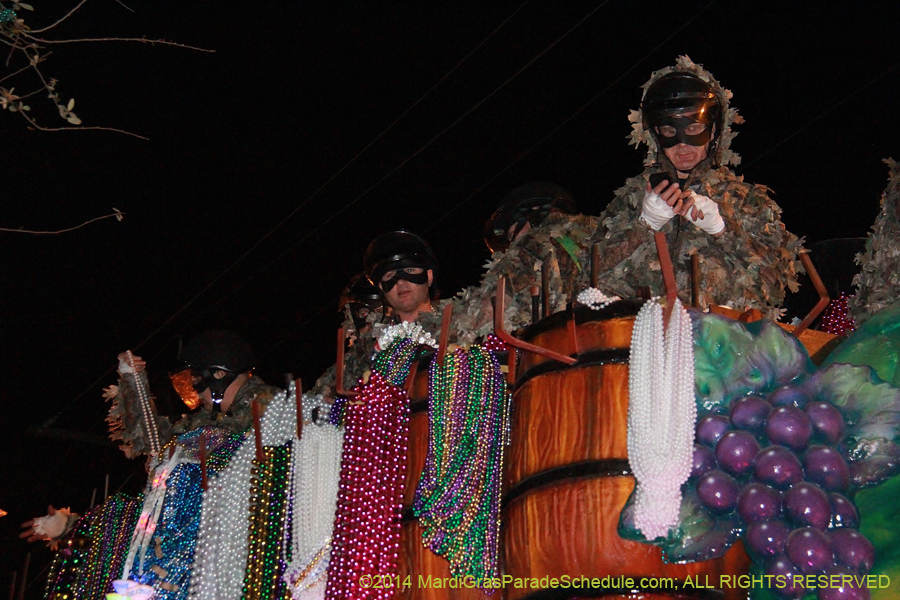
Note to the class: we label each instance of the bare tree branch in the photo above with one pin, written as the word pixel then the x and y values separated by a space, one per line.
pixel 141 40
pixel 123 5
pixel 118 214
pixel 81 128
pixel 25 68
pixel 66 16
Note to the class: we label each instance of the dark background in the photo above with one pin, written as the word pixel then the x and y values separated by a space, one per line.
pixel 224 226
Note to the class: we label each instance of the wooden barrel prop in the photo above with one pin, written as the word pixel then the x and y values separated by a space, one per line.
pixel 417 561
pixel 567 475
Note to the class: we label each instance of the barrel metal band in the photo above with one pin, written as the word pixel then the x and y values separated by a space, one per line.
pixel 610 467
pixel 602 356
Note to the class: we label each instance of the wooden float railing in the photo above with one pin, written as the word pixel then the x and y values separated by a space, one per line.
pixel 820 288
pixel 515 342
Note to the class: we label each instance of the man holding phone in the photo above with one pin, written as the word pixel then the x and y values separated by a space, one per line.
pixel 688 192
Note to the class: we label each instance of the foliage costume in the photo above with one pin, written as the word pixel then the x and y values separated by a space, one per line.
pixel 748 266
pixel 878 282
pixel 562 242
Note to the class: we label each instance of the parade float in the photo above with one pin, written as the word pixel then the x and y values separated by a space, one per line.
pixel 507 469
pixel 616 447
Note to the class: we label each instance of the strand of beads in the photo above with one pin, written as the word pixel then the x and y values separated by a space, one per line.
pixel 394 363
pixel 92 555
pixel 661 415
pixel 366 537
pixel 147 413
pixel 269 500
pixel 168 566
pixel 112 524
pixel 596 299
pixel 316 471
pixel 457 501
pixel 405 330
pixel 154 498
pixel 222 556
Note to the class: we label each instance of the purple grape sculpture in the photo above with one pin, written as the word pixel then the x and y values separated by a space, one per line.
pixel 807 505
pixel 826 467
pixel 704 461
pixel 789 395
pixel 809 550
pixel 749 413
pixel 736 450
pixel 852 550
pixel 758 502
pixel 780 448
pixel 789 426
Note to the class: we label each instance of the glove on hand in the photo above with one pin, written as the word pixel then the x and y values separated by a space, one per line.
pixel 711 222
pixel 655 212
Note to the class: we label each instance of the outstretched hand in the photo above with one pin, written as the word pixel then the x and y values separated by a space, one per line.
pixel 31 527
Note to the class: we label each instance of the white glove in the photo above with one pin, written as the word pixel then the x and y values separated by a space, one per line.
pixel 655 212
pixel 52 526
pixel 125 368
pixel 711 222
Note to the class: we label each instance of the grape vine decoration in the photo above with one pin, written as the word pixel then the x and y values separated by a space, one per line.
pixel 780 450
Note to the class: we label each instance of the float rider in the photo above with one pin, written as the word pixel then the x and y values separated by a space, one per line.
pixel 402 265
pixel 688 192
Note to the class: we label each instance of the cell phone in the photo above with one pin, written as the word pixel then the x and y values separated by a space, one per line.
pixel 658 178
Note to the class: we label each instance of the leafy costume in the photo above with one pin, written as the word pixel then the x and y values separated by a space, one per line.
pixel 562 241
pixel 878 282
pixel 748 266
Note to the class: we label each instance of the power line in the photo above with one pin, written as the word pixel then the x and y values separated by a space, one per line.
pixel 417 152
pixel 403 163
pixel 172 317
pixel 825 112
pixel 330 179
pixel 566 121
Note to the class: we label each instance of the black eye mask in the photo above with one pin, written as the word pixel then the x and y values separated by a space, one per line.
pixel 680 137
pixel 416 278
pixel 216 387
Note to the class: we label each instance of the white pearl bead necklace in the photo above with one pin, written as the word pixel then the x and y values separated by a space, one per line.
pixel 661 415
pixel 595 299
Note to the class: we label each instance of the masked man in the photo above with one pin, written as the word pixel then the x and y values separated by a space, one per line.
pixel 402 267
pixel 747 257
pixel 218 387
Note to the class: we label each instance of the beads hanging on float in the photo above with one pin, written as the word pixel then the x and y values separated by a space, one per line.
pixel 661 415
pixel 458 498
pixel 366 538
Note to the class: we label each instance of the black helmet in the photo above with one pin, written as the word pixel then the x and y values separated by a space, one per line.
pixel 362 298
pixel 681 96
pixel 529 203
pixel 397 250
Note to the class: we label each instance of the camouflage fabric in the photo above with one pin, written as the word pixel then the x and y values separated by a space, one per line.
pixel 748 266
pixel 562 241
pixel 878 282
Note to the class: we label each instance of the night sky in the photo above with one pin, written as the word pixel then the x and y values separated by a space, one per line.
pixel 246 210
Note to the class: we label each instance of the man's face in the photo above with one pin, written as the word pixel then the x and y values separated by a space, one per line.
pixel 406 297
pixel 684 157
